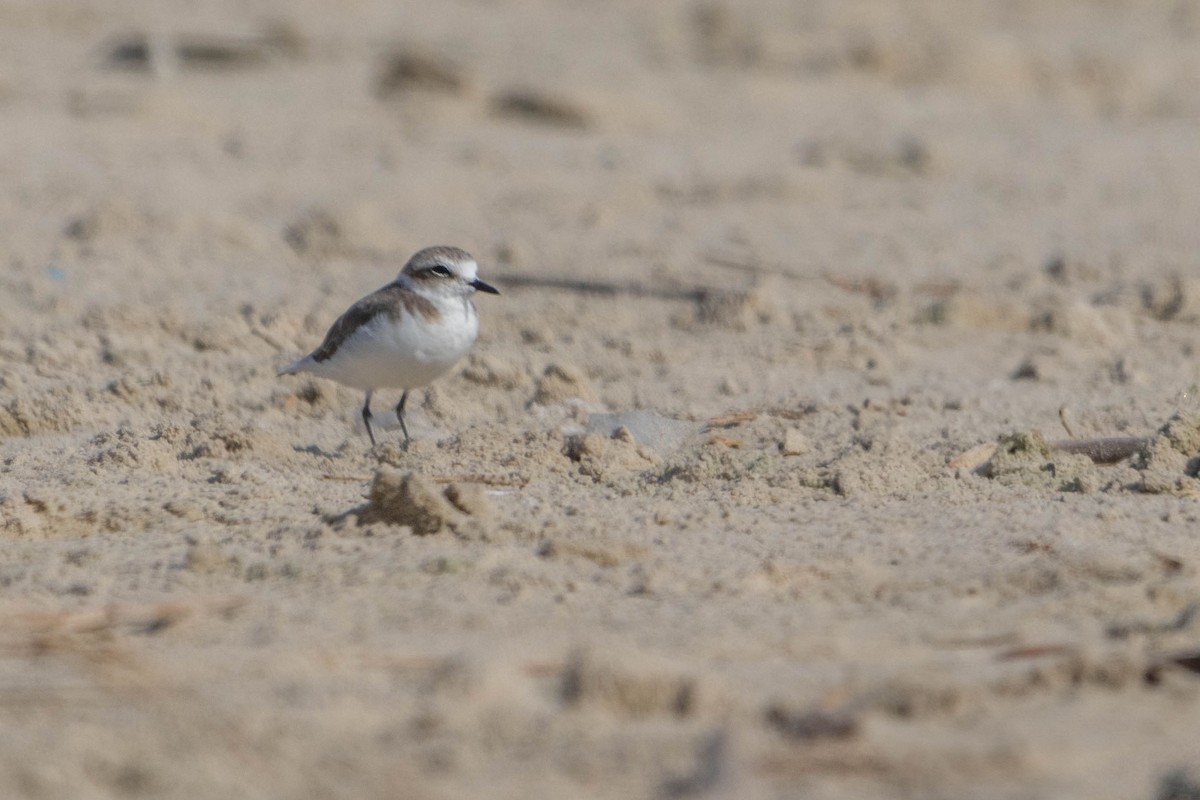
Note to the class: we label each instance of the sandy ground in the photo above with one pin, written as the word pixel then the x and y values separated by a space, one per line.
pixel 840 244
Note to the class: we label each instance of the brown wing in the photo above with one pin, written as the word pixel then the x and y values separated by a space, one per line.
pixel 392 300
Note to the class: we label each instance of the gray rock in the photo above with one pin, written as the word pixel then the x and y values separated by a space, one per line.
pixel 661 434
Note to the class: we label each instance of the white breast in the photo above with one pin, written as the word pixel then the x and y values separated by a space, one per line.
pixel 403 353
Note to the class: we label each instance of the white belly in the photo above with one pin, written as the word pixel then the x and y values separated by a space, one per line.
pixel 401 354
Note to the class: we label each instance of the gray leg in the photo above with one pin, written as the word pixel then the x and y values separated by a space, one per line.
pixel 400 414
pixel 367 416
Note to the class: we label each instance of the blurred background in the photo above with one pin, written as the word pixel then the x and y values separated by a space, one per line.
pixel 628 140
pixel 838 243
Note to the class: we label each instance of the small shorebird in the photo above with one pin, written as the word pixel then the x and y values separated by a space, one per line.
pixel 404 335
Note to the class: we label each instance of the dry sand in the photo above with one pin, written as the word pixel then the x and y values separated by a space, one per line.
pixel 841 243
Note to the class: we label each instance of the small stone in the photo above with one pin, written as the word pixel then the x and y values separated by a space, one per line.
pixel 1027 370
pixel 794 443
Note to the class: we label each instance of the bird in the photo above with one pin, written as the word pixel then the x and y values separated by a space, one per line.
pixel 405 334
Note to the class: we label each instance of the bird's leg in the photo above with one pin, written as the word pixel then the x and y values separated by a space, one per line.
pixel 366 414
pixel 400 415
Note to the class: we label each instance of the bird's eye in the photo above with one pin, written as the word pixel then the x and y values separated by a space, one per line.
pixel 440 271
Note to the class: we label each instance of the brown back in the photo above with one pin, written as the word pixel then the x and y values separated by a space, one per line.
pixel 392 300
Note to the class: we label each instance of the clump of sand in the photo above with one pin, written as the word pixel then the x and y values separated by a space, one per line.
pixel 408 499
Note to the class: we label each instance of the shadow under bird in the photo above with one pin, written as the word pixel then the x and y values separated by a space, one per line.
pixel 404 335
